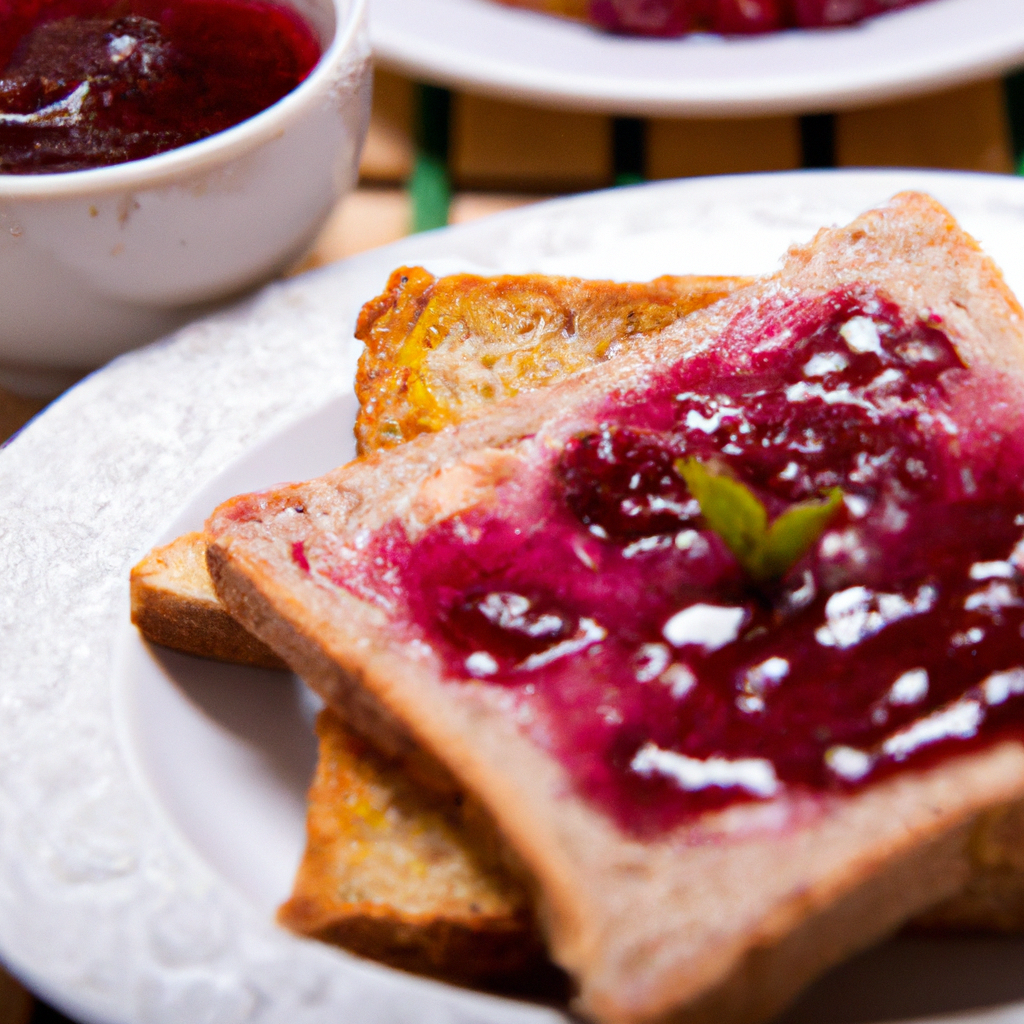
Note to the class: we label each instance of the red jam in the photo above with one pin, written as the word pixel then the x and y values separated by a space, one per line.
pixel 86 84
pixel 732 17
pixel 638 650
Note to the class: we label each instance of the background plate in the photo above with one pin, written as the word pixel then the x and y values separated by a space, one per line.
pixel 151 805
pixel 514 54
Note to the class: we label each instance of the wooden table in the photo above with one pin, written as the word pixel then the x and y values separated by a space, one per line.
pixel 434 157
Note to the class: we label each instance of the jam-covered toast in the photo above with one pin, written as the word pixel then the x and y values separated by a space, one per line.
pixel 540 602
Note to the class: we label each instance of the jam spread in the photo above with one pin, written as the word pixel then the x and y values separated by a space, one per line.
pixel 728 17
pixel 621 614
pixel 84 84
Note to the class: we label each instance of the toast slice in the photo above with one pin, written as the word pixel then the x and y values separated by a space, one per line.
pixel 726 915
pixel 174 605
pixel 389 871
pixel 439 350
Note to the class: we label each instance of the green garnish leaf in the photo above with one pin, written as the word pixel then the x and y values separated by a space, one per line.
pixel 795 531
pixel 739 517
pixel 729 508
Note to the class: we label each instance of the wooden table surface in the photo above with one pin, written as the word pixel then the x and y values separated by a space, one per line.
pixel 433 157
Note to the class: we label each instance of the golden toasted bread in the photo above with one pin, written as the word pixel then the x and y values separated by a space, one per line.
pixel 174 604
pixel 391 871
pixel 439 350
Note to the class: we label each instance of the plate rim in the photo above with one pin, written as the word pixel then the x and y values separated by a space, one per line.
pixel 503 75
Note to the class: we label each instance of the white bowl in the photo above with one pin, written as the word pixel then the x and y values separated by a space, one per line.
pixel 96 262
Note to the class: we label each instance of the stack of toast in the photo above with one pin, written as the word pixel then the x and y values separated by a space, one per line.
pixel 437 350
pixel 444 835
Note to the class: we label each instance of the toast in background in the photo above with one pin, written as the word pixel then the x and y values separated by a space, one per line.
pixel 392 872
pixel 174 604
pixel 439 350
pixel 660 927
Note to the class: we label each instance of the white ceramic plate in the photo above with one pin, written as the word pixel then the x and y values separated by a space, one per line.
pixel 515 54
pixel 151 805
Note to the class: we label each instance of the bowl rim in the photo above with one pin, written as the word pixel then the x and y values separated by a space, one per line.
pixel 163 168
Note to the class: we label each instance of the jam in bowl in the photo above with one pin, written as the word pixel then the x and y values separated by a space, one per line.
pixel 86 86
pixel 146 180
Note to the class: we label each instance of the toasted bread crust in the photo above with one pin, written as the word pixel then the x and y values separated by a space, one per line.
pixel 439 350
pixel 670 928
pixel 174 604
pixel 391 871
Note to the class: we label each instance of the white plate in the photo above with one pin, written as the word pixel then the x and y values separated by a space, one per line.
pixel 151 805
pixel 481 46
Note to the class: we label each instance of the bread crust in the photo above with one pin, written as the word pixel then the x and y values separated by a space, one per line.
pixel 724 924
pixel 174 605
pixel 390 871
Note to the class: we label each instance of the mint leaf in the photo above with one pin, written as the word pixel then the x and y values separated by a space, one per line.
pixel 739 517
pixel 793 533
pixel 728 507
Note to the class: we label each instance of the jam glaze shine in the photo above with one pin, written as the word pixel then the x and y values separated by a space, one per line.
pixel 633 645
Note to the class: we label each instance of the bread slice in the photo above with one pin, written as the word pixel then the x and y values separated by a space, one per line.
pixel 724 919
pixel 390 871
pixel 174 604
pixel 439 350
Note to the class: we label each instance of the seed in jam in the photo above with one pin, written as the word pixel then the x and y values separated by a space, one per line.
pixel 87 85
pixel 623 484
pixel 669 677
